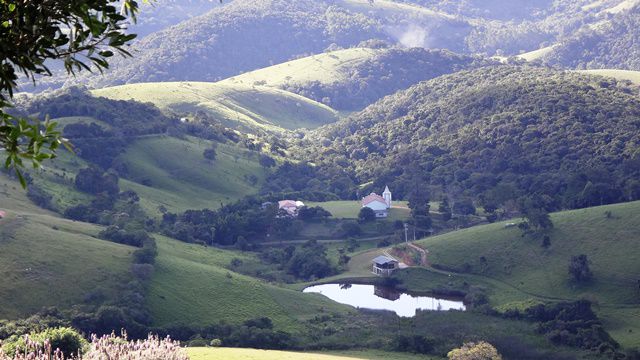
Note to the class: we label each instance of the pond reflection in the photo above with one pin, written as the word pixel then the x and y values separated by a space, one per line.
pixel 383 298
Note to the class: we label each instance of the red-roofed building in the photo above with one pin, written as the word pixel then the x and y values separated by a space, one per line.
pixel 2 214
pixel 379 204
pixel 290 206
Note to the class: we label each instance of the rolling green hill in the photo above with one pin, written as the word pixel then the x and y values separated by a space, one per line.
pixel 324 68
pixel 191 286
pixel 517 268
pixel 354 78
pixel 49 261
pixel 163 171
pixel 173 173
pixel 237 105
pixel 526 265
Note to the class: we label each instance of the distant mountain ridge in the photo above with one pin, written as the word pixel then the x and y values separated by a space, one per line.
pixel 245 35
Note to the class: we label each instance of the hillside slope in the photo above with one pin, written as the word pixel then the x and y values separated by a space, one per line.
pixel 192 286
pixel 516 268
pixel 49 261
pixel 523 263
pixel 497 132
pixel 238 105
pixel 171 172
pixel 354 78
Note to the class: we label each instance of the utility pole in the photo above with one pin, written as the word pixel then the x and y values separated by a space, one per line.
pixel 406 232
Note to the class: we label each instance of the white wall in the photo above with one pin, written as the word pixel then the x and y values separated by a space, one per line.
pixel 377 205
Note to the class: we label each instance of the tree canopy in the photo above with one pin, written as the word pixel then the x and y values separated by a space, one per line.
pixel 81 34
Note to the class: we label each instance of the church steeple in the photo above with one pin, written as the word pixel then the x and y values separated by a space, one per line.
pixel 387 196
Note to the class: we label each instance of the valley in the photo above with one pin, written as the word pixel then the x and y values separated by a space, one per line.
pixel 349 179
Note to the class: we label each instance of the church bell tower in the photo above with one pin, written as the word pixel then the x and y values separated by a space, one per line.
pixel 387 196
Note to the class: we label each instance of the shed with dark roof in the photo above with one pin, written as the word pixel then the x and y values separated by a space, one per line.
pixel 384 265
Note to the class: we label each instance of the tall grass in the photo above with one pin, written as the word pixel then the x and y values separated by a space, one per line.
pixel 107 347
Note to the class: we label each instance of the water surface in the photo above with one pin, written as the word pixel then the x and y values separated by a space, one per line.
pixel 383 298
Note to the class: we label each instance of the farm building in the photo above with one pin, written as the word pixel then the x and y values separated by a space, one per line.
pixel 384 265
pixel 290 206
pixel 379 204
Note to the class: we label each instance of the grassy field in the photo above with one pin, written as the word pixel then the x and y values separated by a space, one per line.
pixel 192 286
pixel 243 106
pixel 253 354
pixel 165 171
pixel 178 177
pixel 325 68
pixel 633 76
pixel 49 261
pixel 350 209
pixel 518 268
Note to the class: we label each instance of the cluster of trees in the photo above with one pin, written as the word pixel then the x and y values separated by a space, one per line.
pixel 579 269
pixel 94 180
pixel 127 118
pixel 572 324
pixel 244 223
pixel 303 176
pixel 307 262
pixel 493 135
pixel 92 140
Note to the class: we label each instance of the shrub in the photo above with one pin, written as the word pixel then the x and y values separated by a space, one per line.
pixel 475 351
pixel 350 229
pixel 67 340
pixel 210 154
pixel 579 268
pixel 216 343
pixel 464 207
pixel 142 271
pixel 147 254
pixel 366 215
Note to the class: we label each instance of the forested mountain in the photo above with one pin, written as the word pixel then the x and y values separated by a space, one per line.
pixel 495 134
pixel 244 35
pixel 160 14
pixel 614 44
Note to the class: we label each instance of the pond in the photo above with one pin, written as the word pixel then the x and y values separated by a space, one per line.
pixel 383 298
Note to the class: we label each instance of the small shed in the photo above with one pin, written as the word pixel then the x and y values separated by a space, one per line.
pixel 384 265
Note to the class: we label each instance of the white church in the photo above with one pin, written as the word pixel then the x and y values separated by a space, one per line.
pixel 379 204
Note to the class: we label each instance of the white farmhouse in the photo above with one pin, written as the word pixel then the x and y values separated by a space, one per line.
pixel 379 204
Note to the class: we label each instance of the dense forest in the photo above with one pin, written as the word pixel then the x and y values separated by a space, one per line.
pixel 493 135
pixel 613 45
